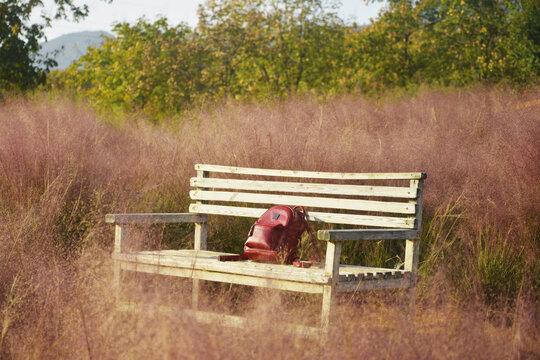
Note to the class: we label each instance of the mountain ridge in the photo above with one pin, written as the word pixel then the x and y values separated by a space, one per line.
pixel 67 48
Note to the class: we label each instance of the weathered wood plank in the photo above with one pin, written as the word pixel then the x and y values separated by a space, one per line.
pixel 211 318
pixel 223 277
pixel 366 234
pixel 374 284
pixel 119 238
pixel 195 256
pixel 419 186
pixel 359 270
pixel 226 210
pixel 412 249
pixel 207 261
pixel 153 218
pixel 412 246
pixel 201 228
pixel 331 270
pixel 200 234
pixel 331 218
pixel 313 202
pixel 242 322
pixel 333 254
pixel 305 188
pixel 309 174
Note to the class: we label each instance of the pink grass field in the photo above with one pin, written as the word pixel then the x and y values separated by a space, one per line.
pixel 62 169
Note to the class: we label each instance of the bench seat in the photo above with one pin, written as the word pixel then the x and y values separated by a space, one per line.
pixel 204 265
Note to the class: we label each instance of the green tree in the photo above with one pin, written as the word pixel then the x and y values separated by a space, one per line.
pixel 446 42
pixel 525 30
pixel 270 47
pixel 384 54
pixel 20 68
pixel 148 67
pixel 303 47
pixel 274 48
pixel 473 41
pixel 240 49
pixel 229 33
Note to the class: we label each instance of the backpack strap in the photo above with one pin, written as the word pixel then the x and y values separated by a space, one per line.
pixel 304 264
pixel 232 257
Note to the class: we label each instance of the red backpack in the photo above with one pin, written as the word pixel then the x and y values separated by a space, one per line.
pixel 274 237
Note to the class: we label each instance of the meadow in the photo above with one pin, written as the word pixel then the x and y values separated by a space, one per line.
pixel 63 167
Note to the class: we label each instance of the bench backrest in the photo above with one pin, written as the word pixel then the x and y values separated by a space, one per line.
pixel 383 200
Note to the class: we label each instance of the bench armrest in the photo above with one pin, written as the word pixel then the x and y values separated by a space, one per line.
pixel 367 234
pixel 132 219
pixel 154 218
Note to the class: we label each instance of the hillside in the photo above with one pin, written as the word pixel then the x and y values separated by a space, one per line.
pixel 72 46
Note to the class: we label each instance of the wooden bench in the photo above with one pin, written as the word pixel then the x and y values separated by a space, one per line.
pixel 387 205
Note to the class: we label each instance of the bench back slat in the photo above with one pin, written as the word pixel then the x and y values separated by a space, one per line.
pixel 312 202
pixel 384 200
pixel 305 188
pixel 309 174
pixel 331 218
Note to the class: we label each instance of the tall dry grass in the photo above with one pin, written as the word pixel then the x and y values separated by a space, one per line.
pixel 62 169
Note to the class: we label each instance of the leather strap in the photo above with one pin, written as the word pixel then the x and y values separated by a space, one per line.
pixel 232 257
pixel 304 264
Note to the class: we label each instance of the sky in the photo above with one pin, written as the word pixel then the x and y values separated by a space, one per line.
pixel 103 15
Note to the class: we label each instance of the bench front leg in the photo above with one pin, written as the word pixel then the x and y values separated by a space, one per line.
pixel 412 250
pixel 200 243
pixel 119 244
pixel 331 269
pixel 201 234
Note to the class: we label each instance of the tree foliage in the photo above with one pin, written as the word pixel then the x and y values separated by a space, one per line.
pixel 449 42
pixel 20 69
pixel 148 67
pixel 275 48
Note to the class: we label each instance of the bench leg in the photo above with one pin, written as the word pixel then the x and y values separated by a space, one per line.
pixel 412 249
pixel 331 269
pixel 328 302
pixel 120 234
pixel 195 294
pixel 116 281
pixel 411 292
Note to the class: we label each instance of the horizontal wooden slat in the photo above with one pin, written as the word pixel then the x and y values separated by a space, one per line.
pixel 214 319
pixel 316 202
pixel 153 218
pixel 208 261
pixel 305 188
pixel 375 284
pixel 245 323
pixel 348 219
pixel 367 234
pixel 355 272
pixel 226 210
pixel 222 277
pixel 310 174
